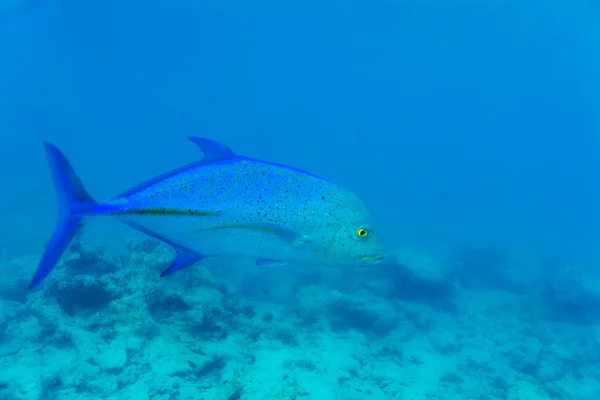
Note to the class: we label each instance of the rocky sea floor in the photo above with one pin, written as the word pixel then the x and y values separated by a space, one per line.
pixel 105 326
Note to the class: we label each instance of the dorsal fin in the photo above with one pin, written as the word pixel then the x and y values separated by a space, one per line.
pixel 212 150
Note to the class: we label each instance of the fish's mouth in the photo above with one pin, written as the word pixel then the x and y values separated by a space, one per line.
pixel 371 259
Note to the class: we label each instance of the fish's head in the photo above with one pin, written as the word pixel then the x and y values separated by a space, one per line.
pixel 350 234
pixel 360 244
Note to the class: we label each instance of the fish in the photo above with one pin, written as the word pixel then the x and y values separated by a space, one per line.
pixel 224 204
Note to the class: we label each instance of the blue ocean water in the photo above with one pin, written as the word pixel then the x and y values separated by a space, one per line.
pixel 469 128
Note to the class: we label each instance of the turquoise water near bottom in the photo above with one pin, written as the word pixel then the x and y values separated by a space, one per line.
pixel 104 326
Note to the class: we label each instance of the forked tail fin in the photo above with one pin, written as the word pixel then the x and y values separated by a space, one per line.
pixel 74 204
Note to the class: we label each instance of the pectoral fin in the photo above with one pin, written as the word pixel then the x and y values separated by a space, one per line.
pixel 286 234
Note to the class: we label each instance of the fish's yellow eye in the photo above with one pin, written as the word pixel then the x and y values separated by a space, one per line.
pixel 361 232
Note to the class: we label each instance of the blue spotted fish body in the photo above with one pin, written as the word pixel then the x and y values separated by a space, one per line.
pixel 226 205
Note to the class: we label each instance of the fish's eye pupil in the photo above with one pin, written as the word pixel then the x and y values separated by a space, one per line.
pixel 361 232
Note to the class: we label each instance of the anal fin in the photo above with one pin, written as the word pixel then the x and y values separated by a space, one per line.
pixel 184 257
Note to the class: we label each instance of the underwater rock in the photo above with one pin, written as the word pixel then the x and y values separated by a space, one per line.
pixel 236 386
pixel 362 312
pixel 236 306
pixel 285 335
pixel 143 262
pixel 146 245
pixel 208 323
pixel 420 315
pixel 488 269
pixel 524 358
pixel 163 304
pixel 415 277
pixel 444 341
pixel 572 295
pixel 88 260
pixel 132 311
pixel 203 311
pixel 525 390
pixel 113 359
pixel 214 365
pixel 553 363
pixel 276 285
pixel 421 266
pixel 13 286
pixel 195 283
pixel 82 294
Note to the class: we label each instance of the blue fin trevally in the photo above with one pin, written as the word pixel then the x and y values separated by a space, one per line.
pixel 225 205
